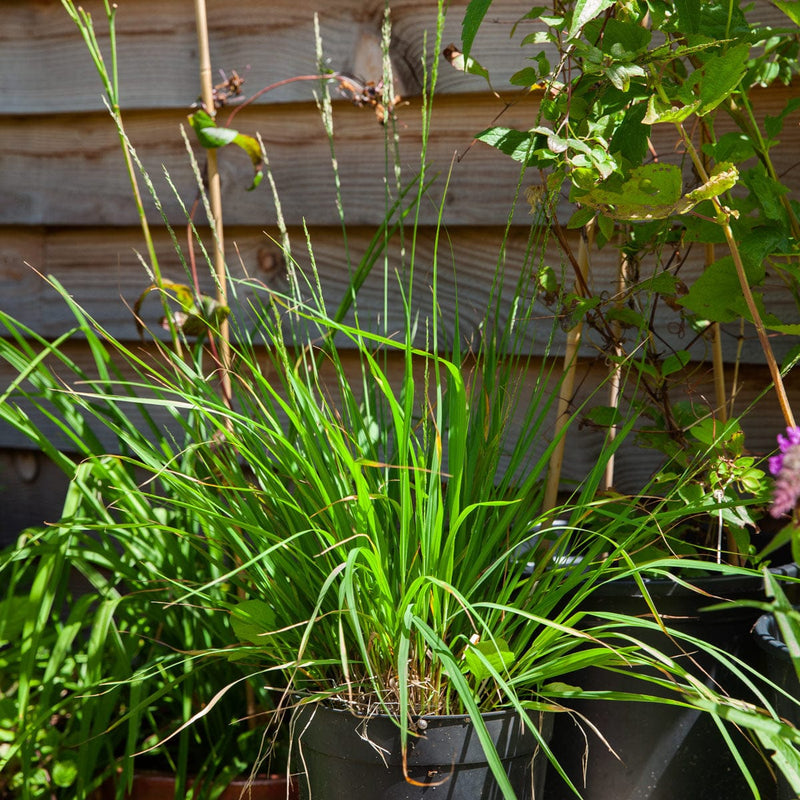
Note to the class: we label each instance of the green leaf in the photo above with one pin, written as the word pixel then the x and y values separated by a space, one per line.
pixel 675 363
pixel 496 652
pixel 516 144
pixel 631 136
pixel 208 134
pixel 723 178
pixel 691 493
pixel 212 137
pixel 651 192
pixel 64 773
pixel 716 295
pixel 606 226
pixel 466 64
pixel 688 13
pixel 716 80
pixel 657 111
pixel 768 191
pixel 625 39
pixel 251 619
pixel 473 17
pixel 620 75
pixel 524 77
pixel 586 11
pixel 735 147
pixel 629 317
pixel 196 315
pixel 604 416
pixel 792 10
pixel 774 125
pixel 581 217
pixel 661 282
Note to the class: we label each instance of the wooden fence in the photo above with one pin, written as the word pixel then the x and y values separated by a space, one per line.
pixel 65 206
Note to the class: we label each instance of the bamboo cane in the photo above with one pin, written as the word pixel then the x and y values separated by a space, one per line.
pixel 214 196
pixel 568 382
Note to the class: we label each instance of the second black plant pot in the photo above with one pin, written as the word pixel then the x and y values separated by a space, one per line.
pixel 665 752
pixel 341 756
pixel 779 669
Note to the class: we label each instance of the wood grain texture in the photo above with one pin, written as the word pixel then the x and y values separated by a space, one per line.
pixel 104 275
pixel 69 171
pixel 32 491
pixel 46 69
pixel 584 444
pixel 65 204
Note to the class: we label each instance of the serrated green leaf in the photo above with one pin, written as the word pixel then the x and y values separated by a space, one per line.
pixel 516 144
pixel 652 191
pixel 717 295
pixel 722 179
pixel 585 11
pixel 716 80
pixel 657 111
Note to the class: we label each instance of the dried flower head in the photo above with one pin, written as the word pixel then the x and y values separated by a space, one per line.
pixel 785 466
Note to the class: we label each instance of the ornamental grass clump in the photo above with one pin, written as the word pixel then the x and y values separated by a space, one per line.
pixel 357 495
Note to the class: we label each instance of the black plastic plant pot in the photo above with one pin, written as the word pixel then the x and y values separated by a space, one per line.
pixel 341 756
pixel 663 752
pixel 779 669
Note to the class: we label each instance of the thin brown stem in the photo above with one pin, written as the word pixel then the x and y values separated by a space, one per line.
pixel 723 219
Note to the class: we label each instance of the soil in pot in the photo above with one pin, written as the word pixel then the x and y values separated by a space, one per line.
pixel 664 752
pixel 341 756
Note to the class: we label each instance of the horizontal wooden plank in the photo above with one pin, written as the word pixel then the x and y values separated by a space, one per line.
pixel 32 491
pixel 47 69
pixel 65 171
pixel 69 171
pixel 102 272
pixel 634 464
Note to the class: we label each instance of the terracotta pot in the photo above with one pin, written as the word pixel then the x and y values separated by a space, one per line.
pixel 161 786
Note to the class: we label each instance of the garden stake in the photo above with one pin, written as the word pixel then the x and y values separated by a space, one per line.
pixel 568 383
pixel 215 197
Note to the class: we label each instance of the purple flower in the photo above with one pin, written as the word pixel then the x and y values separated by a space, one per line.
pixel 785 466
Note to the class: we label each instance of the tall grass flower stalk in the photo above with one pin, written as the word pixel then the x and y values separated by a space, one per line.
pixel 362 520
